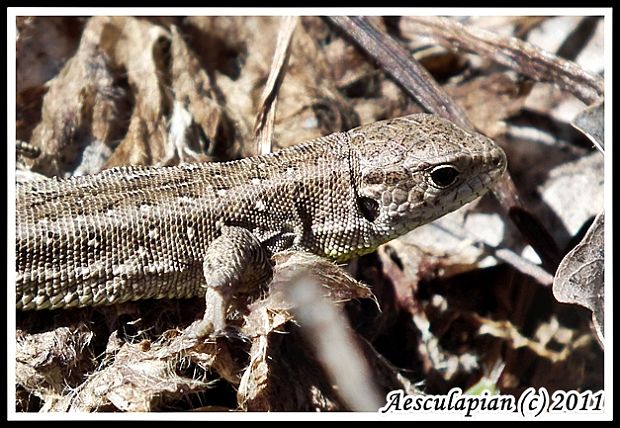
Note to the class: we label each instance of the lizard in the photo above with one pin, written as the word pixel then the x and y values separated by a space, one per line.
pixel 209 229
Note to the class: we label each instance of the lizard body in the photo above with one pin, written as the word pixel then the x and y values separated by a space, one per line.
pixel 134 233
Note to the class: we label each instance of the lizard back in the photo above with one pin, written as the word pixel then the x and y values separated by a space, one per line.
pixel 141 232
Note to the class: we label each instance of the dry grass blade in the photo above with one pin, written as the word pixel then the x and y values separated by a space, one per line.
pixel 528 225
pixel 537 236
pixel 331 337
pixel 523 265
pixel 508 196
pixel 511 52
pixel 396 61
pixel 505 254
pixel 263 129
pixel 532 229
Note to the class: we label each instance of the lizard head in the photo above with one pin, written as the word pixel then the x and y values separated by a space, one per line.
pixel 414 169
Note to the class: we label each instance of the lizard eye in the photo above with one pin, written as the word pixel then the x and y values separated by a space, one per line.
pixel 444 175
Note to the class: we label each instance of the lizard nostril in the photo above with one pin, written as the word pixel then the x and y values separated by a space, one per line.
pixel 499 159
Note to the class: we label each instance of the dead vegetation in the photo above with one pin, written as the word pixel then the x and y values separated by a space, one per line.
pixel 465 301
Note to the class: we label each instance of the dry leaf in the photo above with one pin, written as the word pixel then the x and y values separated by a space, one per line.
pixel 580 277
pixel 591 121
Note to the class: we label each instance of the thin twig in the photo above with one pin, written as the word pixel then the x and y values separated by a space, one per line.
pixel 511 52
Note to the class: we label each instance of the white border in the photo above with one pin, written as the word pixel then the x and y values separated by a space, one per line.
pixel 304 11
pixel 12 12
pixel 607 203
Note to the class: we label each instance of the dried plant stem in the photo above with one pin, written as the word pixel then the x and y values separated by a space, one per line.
pixel 511 52
pixel 399 63
pixel 263 129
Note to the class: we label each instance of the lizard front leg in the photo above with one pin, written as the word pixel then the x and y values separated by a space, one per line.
pixel 235 266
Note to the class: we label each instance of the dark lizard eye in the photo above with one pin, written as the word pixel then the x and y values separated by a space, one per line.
pixel 444 175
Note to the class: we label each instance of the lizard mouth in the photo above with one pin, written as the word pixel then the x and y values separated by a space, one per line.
pixel 492 166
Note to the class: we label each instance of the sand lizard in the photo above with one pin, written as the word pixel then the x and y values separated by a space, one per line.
pixel 134 233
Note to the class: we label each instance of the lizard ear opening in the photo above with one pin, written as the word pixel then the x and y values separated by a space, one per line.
pixel 368 207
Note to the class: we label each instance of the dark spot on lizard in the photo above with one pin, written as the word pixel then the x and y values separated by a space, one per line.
pixel 369 208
